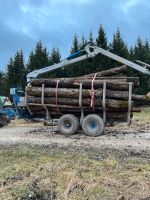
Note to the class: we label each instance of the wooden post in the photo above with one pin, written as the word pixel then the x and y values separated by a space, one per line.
pixel 129 103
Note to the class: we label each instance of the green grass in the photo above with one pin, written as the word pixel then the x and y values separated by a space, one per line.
pixel 63 175
pixel 144 115
pixel 44 174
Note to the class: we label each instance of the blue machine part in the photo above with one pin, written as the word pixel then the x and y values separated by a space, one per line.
pixel 10 112
pixel 74 55
pixel 18 100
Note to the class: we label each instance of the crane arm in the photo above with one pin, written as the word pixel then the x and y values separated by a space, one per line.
pixel 90 52
pixel 119 59
pixel 69 61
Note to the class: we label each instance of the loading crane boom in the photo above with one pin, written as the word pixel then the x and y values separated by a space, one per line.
pixel 90 52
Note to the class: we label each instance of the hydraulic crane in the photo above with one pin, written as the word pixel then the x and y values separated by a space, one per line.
pixel 90 52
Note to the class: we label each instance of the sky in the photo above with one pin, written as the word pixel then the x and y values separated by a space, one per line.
pixel 24 22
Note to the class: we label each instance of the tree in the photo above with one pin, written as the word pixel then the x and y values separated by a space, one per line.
pixel 75 45
pixel 54 58
pixel 83 43
pixel 75 69
pixel 1 82
pixel 20 68
pixel 118 46
pixel 141 51
pixel 91 39
pixel 101 40
pixel 101 62
pixel 38 58
pixel 15 72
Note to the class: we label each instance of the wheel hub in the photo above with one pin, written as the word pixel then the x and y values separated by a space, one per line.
pixel 93 125
pixel 67 124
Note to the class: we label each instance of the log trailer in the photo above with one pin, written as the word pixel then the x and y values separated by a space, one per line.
pixel 92 124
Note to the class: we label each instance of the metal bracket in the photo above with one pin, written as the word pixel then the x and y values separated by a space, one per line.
pixel 42 102
pixel 104 102
pixel 80 104
pixel 26 103
pixel 129 102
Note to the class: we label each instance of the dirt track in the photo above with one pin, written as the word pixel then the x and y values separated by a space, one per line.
pixel 117 161
pixel 118 137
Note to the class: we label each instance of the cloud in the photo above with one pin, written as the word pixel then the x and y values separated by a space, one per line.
pixel 128 5
pixel 55 22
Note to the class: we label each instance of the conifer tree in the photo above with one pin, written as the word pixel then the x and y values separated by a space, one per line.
pixel 118 47
pixel 1 82
pixel 131 53
pixel 101 62
pixel 15 73
pixel 38 58
pixel 18 68
pixel 75 45
pixel 83 43
pixel 141 52
pixel 101 40
pixel 54 58
pixel 91 39
pixel 10 77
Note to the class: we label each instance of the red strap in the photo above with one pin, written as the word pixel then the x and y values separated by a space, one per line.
pixel 57 83
pixel 92 92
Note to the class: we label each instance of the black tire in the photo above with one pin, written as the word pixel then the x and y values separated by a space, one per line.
pixel 93 125
pixel 68 124
pixel 2 123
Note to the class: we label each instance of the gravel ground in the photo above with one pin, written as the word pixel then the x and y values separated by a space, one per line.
pixel 118 137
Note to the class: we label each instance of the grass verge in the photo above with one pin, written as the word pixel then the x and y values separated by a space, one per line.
pixel 38 174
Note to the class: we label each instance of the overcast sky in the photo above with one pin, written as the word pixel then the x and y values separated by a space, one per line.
pixel 24 22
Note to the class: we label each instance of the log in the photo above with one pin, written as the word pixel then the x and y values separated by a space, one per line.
pixel 86 84
pixel 85 102
pixel 134 80
pixel 144 99
pixel 74 83
pixel 68 95
pixel 52 82
pixel 68 109
pixel 110 72
pixel 76 109
pixel 74 93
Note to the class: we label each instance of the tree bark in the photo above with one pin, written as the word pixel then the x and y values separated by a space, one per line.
pixel 85 102
pixel 74 83
pixel 86 84
pixel 110 72
pixel 74 93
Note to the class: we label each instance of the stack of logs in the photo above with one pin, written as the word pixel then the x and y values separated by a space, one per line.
pixel 68 95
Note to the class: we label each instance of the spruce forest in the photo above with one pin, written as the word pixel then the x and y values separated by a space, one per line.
pixel 41 57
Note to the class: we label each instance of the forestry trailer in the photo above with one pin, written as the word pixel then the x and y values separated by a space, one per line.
pixel 88 101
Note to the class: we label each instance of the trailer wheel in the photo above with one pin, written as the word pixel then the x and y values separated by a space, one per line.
pixel 93 125
pixel 68 124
